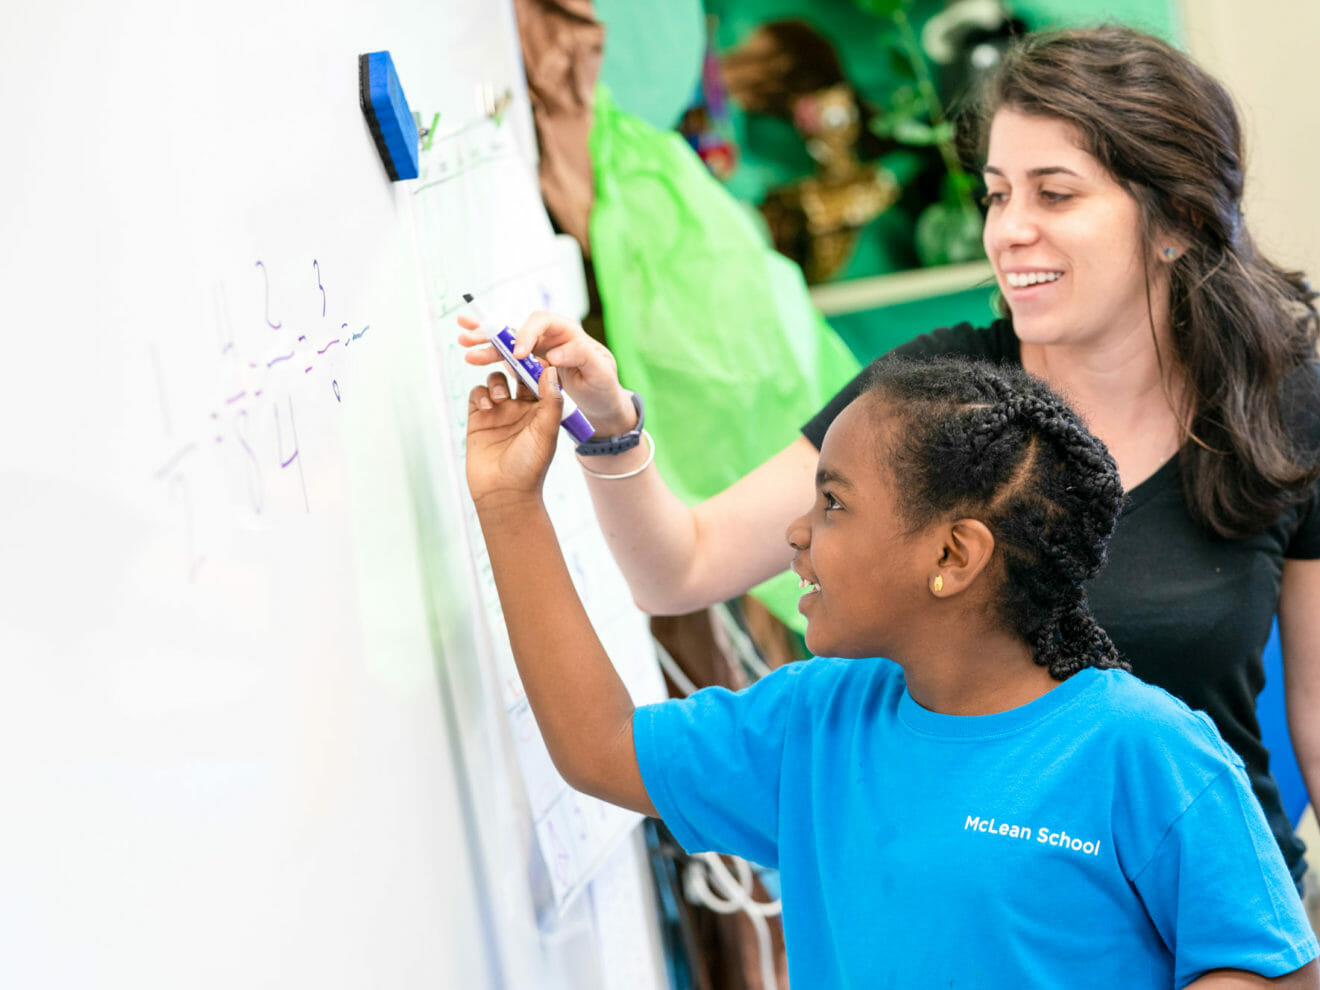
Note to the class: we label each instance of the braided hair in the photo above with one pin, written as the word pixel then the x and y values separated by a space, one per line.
pixel 975 440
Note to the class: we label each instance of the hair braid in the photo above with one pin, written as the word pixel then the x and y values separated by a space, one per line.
pixel 1074 641
pixel 1074 550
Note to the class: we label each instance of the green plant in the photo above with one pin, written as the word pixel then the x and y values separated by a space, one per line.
pixel 949 229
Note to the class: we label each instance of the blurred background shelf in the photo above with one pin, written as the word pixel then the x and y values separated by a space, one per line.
pixel 878 291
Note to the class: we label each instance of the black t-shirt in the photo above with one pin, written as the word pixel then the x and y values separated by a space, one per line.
pixel 1190 610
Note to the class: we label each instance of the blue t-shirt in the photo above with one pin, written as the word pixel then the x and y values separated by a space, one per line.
pixel 1101 836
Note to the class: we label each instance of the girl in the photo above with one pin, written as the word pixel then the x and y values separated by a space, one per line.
pixel 1114 174
pixel 1001 805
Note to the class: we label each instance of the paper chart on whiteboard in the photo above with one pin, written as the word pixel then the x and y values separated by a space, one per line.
pixel 474 181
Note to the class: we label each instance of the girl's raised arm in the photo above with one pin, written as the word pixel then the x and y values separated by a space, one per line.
pixel 582 707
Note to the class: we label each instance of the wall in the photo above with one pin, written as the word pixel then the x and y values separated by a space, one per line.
pixel 1268 64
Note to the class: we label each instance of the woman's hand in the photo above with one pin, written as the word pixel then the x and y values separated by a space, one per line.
pixel 586 367
pixel 510 441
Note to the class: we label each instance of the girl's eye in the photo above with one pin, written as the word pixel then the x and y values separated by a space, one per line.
pixel 830 501
pixel 993 198
pixel 1054 197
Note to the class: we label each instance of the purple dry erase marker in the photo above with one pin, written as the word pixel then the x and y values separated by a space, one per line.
pixel 529 370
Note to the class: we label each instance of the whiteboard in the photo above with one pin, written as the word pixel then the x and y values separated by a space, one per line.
pixel 247 730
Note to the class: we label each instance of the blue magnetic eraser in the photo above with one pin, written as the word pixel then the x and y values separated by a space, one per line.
pixel 386 108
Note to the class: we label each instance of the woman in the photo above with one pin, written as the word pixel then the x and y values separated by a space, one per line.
pixel 1114 175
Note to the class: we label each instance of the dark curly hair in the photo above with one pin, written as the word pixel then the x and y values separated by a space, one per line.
pixel 1243 327
pixel 993 443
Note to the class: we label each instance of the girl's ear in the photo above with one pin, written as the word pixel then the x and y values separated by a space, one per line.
pixel 965 550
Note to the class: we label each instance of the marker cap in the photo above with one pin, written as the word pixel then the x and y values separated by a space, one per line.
pixel 577 426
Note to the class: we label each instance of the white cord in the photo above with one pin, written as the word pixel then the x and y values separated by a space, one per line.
pixel 670 666
pixel 741 643
pixel 735 895
pixel 626 474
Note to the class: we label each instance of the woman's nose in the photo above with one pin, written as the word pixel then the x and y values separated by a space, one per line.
pixel 1010 225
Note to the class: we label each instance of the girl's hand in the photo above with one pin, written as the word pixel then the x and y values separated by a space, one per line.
pixel 510 441
pixel 586 367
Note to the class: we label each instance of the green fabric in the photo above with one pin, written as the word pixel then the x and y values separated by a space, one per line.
pixel 712 326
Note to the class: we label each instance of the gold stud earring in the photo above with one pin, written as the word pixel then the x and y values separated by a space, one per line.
pixel 938 584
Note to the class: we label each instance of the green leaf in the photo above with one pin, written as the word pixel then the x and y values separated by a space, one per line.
pixel 882 126
pixel 948 233
pixel 907 101
pixel 915 132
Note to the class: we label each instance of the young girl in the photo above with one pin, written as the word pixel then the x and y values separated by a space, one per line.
pixel 999 805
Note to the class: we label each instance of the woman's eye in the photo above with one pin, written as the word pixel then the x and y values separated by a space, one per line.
pixel 993 198
pixel 830 501
pixel 1054 197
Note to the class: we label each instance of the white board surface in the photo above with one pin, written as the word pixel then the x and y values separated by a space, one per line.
pixel 246 733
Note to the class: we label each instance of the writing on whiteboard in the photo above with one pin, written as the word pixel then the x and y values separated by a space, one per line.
pixel 240 445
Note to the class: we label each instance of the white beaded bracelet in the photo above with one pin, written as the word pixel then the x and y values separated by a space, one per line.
pixel 650 443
